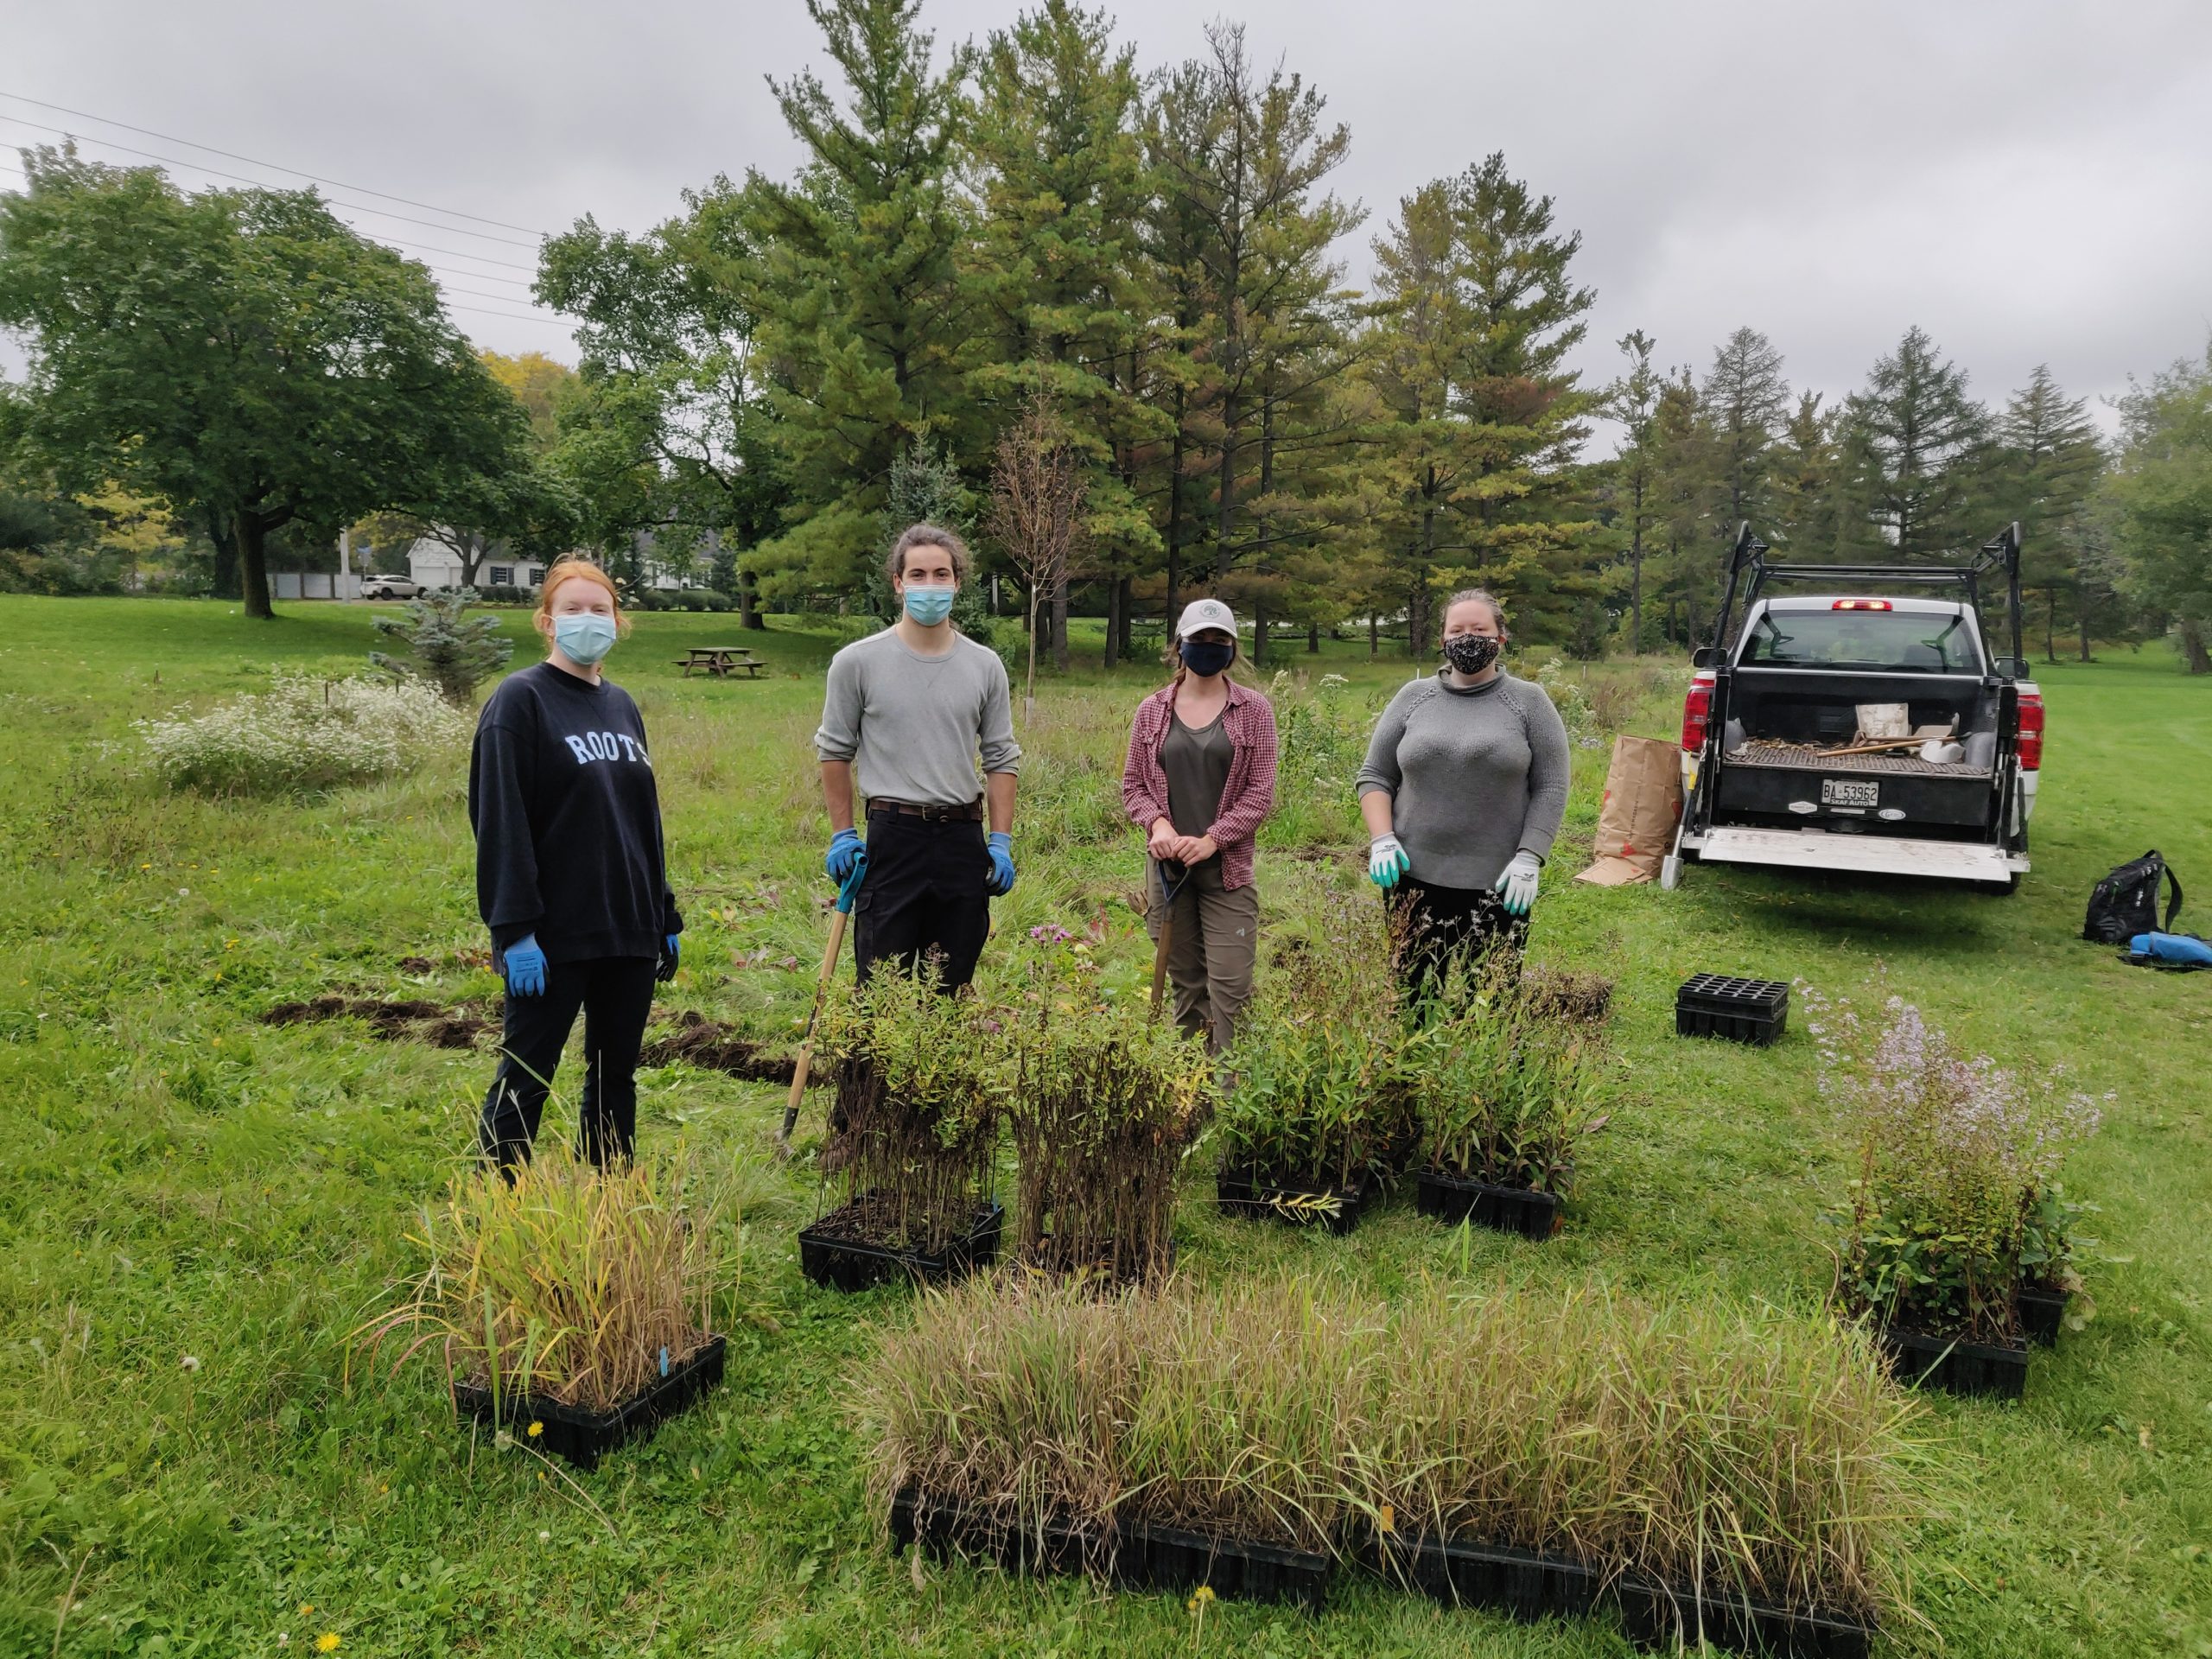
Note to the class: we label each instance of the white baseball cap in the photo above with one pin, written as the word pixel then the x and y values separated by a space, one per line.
pixel 1201 613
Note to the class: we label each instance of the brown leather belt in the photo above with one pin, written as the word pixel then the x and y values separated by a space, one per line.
pixel 970 812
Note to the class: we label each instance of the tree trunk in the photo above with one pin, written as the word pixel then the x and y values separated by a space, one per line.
pixel 1113 622
pixel 252 537
pixel 748 602
pixel 2082 608
pixel 1175 511
pixel 1636 594
pixel 1312 638
pixel 1374 635
pixel 1127 590
pixel 2051 625
pixel 1029 690
pixel 1060 625
pixel 2192 646
pixel 471 559
pixel 1259 632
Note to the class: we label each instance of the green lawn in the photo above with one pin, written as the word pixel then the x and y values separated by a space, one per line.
pixel 182 1180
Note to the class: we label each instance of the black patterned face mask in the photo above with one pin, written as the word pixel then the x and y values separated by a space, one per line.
pixel 1471 653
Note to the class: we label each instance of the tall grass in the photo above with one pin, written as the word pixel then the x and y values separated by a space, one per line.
pixel 1698 1446
pixel 568 1283
pixel 304 733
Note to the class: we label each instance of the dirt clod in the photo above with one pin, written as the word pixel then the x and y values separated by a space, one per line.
pixel 713 1046
pixel 410 1018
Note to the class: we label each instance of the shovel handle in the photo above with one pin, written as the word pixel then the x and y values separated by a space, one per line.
pixel 805 1061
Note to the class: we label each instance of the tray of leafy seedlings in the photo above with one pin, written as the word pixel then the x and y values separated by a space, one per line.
pixel 2050 1280
pixel 1956 1198
pixel 572 1305
pixel 1504 1092
pixel 1321 1112
pixel 1102 1104
pixel 1521 1450
pixel 913 1137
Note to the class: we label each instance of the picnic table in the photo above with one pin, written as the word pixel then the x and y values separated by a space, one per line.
pixel 722 661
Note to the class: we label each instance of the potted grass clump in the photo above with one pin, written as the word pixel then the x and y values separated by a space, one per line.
pixel 1955 1209
pixel 1320 1116
pixel 570 1305
pixel 913 1136
pixel 1102 1104
pixel 1747 1481
pixel 1504 1096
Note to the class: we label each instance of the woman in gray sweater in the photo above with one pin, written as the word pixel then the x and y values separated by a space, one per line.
pixel 1464 788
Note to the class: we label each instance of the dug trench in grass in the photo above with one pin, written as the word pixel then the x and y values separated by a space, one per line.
pixel 1764 1460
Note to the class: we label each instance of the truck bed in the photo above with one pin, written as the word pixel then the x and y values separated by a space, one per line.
pixel 1806 756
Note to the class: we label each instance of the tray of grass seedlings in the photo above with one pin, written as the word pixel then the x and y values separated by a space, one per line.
pixel 573 1305
pixel 1505 1089
pixel 1553 1452
pixel 913 1137
pixel 1320 1118
pixel 1102 1102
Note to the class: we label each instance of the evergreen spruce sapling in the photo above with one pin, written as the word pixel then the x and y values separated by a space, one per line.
pixel 454 652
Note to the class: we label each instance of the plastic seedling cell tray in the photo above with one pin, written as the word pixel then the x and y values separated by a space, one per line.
pixel 1244 1191
pixel 2042 1313
pixel 1454 1198
pixel 583 1436
pixel 1671 1620
pixel 1740 1010
pixel 830 1258
pixel 1139 1555
pixel 1956 1367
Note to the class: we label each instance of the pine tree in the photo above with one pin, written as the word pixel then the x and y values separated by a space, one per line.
pixel 1915 448
pixel 1805 507
pixel 2160 492
pixel 2048 461
pixel 858 303
pixel 1633 400
pixel 1744 400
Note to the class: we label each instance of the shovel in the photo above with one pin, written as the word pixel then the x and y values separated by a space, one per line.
pixel 847 893
pixel 1168 889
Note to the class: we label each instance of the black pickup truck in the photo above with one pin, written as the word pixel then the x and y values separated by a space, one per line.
pixel 1793 685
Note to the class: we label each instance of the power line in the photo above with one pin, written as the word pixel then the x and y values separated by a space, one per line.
pixel 259 184
pixel 514 316
pixel 382 195
pixel 480 259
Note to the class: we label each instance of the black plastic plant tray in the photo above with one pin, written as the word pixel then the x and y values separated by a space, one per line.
pixel 852 1264
pixel 1956 1367
pixel 1245 1192
pixel 2042 1313
pixel 1139 1555
pixel 1530 1586
pixel 1739 1010
pixel 1656 1616
pixel 582 1436
pixel 1455 1198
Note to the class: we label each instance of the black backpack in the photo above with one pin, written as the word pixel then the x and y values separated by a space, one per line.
pixel 2126 902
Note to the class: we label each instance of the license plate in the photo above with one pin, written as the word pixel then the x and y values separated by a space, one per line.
pixel 1850 792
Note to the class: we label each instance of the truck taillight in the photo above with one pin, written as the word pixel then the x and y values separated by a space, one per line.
pixel 2030 736
pixel 1697 710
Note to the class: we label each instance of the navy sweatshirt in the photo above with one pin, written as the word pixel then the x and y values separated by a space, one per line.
pixel 567 817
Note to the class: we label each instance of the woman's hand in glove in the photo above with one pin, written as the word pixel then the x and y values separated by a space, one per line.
pixel 1386 861
pixel 525 966
pixel 1516 883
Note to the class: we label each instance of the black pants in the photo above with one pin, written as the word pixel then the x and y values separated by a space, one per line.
pixel 925 897
pixel 616 994
pixel 1433 927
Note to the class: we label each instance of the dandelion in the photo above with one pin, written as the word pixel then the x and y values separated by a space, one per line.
pixel 188 1363
pixel 1200 1597
pixel 536 1429
pixel 326 1643
pixel 306 1609
pixel 544 1536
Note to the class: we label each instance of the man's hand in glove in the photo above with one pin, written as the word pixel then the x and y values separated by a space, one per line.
pixel 525 966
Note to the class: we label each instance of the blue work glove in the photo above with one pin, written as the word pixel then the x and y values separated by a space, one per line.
pixel 525 966
pixel 845 847
pixel 1517 882
pixel 1001 845
pixel 666 968
pixel 1386 861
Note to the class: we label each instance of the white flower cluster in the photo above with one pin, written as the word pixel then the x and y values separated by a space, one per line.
pixel 303 733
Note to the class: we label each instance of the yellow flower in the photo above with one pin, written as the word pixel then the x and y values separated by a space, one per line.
pixel 1200 1597
pixel 1388 1521
pixel 536 1429
pixel 326 1643
pixel 306 1607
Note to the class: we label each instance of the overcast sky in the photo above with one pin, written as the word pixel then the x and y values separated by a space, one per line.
pixel 2029 180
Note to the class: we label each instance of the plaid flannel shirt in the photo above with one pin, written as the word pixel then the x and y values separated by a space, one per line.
pixel 1247 797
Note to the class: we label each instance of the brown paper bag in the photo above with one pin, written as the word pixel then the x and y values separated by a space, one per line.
pixel 1643 802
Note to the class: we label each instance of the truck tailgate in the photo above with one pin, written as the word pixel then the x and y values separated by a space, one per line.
pixel 1822 849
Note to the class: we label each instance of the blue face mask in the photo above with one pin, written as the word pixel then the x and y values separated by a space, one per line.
pixel 584 637
pixel 929 605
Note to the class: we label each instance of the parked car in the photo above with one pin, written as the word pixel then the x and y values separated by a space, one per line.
pixel 391 587
pixel 1781 764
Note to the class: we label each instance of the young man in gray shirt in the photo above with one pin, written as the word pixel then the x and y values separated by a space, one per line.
pixel 910 711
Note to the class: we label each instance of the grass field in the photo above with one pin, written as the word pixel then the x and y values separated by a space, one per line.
pixel 181 1180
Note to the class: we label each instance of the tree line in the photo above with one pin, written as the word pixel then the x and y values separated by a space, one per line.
pixel 1028 222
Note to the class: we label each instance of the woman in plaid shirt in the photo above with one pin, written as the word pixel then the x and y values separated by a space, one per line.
pixel 1200 777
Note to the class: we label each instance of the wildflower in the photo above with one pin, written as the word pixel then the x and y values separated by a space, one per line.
pixel 536 1429
pixel 306 1608
pixel 544 1536
pixel 188 1363
pixel 1200 1597
pixel 326 1643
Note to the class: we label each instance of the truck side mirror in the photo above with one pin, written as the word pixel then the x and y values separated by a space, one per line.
pixel 1705 656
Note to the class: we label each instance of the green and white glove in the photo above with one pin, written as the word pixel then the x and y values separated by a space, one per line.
pixel 1517 882
pixel 1386 861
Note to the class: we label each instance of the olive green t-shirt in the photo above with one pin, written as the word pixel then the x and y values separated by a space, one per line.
pixel 1197 762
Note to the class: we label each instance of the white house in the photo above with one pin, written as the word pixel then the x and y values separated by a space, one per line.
pixel 435 565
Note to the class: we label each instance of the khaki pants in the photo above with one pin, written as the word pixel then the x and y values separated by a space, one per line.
pixel 1210 958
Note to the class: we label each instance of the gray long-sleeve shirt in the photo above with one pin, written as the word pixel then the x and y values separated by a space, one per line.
pixel 914 726
pixel 1474 776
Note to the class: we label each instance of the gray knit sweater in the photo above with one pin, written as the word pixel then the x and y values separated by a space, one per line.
pixel 1474 776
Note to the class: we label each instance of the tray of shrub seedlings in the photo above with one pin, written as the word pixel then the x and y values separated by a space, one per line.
pixel 1955 1365
pixel 1301 1202
pixel 861 1245
pixel 583 1435
pixel 2040 1309
pixel 1139 1555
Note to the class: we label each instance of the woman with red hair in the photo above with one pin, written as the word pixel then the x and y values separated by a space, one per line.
pixel 570 876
